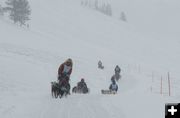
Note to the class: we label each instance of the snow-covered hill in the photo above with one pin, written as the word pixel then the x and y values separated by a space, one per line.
pixel 59 29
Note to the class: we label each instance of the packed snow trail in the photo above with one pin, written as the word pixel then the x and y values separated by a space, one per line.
pixel 32 92
pixel 33 98
pixel 29 59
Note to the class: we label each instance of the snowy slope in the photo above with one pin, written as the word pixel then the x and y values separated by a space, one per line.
pixel 29 59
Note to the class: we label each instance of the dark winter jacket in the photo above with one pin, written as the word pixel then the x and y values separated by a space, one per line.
pixel 99 64
pixel 117 70
pixel 113 87
pixel 113 78
pixel 81 85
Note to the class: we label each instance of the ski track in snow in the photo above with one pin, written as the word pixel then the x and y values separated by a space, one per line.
pixel 89 106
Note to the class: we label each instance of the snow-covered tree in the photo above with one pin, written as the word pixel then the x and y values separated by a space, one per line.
pixel 86 3
pixel 99 6
pixel 19 10
pixel 109 10
pixel 102 8
pixel 106 9
pixel 1 11
pixel 96 5
pixel 123 17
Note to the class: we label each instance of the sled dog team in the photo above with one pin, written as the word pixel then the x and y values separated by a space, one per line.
pixel 62 86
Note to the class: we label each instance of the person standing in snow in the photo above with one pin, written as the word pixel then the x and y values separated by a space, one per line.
pixel 100 66
pixel 117 70
pixel 65 70
pixel 117 75
pixel 113 86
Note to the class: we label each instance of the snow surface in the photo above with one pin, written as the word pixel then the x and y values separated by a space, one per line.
pixel 59 29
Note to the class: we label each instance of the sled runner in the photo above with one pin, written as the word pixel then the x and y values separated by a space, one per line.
pixel 108 92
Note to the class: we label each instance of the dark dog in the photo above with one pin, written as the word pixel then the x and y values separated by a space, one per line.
pixel 117 76
pixel 63 90
pixel 74 90
pixel 54 89
pixel 59 91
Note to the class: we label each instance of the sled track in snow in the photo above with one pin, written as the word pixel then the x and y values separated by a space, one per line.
pixel 80 106
pixel 75 106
